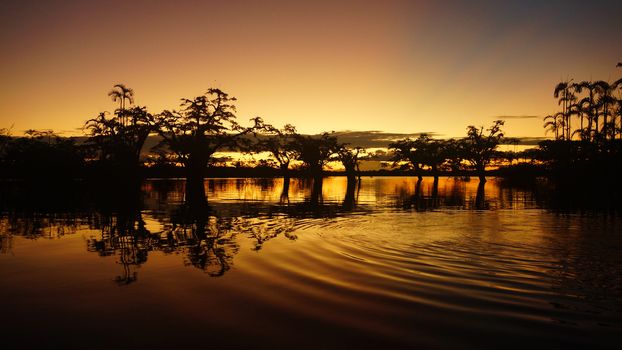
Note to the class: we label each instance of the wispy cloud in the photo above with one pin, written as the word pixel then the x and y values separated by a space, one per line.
pixel 376 138
pixel 516 117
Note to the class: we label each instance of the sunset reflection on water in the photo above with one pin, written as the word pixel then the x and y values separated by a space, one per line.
pixel 386 262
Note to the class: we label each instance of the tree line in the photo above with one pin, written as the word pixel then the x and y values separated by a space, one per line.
pixel 587 135
pixel 204 125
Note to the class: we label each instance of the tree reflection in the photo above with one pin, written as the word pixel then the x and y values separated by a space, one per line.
pixel 349 200
pixel 453 194
pixel 417 200
pixel 207 239
pixel 480 198
pixel 123 233
pixel 209 235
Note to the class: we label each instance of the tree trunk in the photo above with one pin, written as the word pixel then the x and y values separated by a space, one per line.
pixel 285 171
pixel 435 187
pixel 481 172
pixel 435 173
pixel 351 174
pixel 316 191
pixel 480 198
pixel 285 191
pixel 195 188
pixel 349 199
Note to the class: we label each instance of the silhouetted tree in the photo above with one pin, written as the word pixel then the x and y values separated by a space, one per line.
pixel 349 158
pixel 587 105
pixel 203 126
pixel 278 142
pixel 454 155
pixel 314 152
pixel 406 151
pixel 41 155
pixel 432 153
pixel 5 139
pixel 119 144
pixel 563 92
pixel 480 148
pixel 122 93
pixel 421 152
pixel 604 102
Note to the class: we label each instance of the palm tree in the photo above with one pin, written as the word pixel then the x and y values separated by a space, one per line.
pixel 588 104
pixel 551 124
pixel 121 93
pixel 560 117
pixel 565 96
pixel 604 101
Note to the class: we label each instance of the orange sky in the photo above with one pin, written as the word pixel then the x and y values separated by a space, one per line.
pixel 397 66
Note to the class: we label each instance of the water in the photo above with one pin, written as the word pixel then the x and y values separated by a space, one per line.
pixel 380 264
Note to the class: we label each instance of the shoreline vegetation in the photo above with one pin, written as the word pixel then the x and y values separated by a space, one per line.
pixel 586 151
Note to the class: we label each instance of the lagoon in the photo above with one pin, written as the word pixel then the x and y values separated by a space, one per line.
pixel 387 262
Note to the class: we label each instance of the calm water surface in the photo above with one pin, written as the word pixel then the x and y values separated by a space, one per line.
pixel 384 263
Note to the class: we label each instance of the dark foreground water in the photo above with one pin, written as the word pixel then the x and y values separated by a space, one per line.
pixel 383 264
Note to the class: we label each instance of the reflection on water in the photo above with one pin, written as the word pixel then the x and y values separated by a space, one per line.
pixel 384 261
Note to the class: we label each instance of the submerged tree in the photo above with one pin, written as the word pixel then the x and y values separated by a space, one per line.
pixel 480 148
pixel 118 143
pixel 315 152
pixel 41 155
pixel 405 153
pixel 432 153
pixel 349 158
pixel 203 126
pixel 278 142
pixel 419 153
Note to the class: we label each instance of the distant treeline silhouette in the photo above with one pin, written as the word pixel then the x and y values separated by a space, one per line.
pixel 207 124
pixel 587 138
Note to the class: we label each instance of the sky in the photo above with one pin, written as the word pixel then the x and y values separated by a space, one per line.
pixel 392 66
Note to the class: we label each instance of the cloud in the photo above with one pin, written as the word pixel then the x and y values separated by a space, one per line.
pixel 530 141
pixel 379 139
pixel 374 138
pixel 516 117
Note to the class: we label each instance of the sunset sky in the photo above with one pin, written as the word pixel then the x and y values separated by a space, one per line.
pixel 395 66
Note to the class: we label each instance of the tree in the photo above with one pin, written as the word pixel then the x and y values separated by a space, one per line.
pixel 588 105
pixel 432 153
pixel 563 92
pixel 278 142
pixel 552 124
pixel 406 151
pixel 420 152
pixel 121 93
pixel 41 155
pixel 480 148
pixel 604 102
pixel 203 125
pixel 5 139
pixel 454 155
pixel 315 152
pixel 350 157
pixel 119 144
